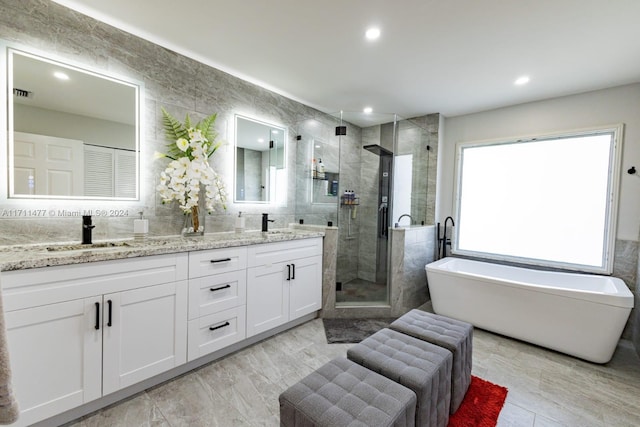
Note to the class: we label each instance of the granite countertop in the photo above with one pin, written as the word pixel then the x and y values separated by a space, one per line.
pixel 21 257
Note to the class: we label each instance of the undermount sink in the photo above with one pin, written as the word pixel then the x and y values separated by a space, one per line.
pixel 80 246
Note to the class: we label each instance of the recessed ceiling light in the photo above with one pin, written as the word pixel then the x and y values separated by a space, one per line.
pixel 522 80
pixel 368 110
pixel 372 33
pixel 60 75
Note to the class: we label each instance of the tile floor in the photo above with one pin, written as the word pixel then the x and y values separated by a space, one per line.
pixel 545 388
pixel 360 291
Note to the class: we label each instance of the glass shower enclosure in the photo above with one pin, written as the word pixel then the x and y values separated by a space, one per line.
pixel 347 179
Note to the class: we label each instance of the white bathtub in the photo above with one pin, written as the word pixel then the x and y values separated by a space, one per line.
pixel 577 314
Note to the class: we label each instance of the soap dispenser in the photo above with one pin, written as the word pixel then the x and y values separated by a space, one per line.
pixel 320 169
pixel 140 227
pixel 240 223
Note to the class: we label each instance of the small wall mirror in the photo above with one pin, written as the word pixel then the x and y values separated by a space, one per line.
pixel 260 166
pixel 73 133
pixel 325 172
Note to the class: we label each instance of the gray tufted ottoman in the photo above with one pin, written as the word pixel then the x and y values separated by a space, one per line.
pixel 418 365
pixel 343 393
pixel 454 335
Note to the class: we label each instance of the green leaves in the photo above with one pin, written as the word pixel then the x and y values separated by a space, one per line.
pixel 175 130
pixel 205 127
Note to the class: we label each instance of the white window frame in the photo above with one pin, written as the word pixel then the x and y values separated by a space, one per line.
pixel 614 171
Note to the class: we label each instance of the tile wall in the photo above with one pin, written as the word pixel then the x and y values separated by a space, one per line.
pixel 179 84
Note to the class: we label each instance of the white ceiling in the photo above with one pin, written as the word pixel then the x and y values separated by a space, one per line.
pixel 448 56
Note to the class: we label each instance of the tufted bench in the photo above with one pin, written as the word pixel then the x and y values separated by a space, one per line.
pixel 454 335
pixel 343 393
pixel 418 365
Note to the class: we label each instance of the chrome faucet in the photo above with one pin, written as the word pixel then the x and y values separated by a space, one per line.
pixel 265 222
pixel 87 226
pixel 402 216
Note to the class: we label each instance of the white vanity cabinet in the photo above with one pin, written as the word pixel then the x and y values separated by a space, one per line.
pixel 95 331
pixel 217 299
pixel 284 282
pixel 79 332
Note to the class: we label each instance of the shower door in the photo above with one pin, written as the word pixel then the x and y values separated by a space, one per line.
pixel 366 153
pixel 384 172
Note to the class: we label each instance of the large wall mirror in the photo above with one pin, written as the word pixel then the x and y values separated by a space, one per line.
pixel 73 133
pixel 260 166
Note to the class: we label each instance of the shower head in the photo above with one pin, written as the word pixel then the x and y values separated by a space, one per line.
pixel 378 150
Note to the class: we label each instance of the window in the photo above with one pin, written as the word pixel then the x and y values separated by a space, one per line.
pixel 546 201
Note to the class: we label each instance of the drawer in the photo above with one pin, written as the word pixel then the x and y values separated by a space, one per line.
pixel 216 331
pixel 50 285
pixel 271 253
pixel 214 261
pixel 218 292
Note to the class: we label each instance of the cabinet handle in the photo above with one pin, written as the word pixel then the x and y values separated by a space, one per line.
pixel 97 326
pixel 293 275
pixel 213 261
pixel 213 328
pixel 109 320
pixel 288 272
pixel 220 288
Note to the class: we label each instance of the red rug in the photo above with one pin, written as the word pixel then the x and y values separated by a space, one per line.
pixel 481 405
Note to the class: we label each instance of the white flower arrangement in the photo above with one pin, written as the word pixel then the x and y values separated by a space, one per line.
pixel 189 169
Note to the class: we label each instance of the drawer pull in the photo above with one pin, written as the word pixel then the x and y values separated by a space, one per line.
pixel 288 272
pixel 213 328
pixel 213 261
pixel 293 274
pixel 220 288
pixel 97 316
pixel 109 321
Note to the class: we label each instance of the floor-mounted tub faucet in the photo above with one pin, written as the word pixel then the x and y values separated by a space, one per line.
pixel 87 226
pixel 444 241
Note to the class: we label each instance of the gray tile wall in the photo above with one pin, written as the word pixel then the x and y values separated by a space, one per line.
pixel 368 209
pixel 412 249
pixel 175 82
pixel 635 315
pixel 625 267
pixel 320 128
pixel 349 243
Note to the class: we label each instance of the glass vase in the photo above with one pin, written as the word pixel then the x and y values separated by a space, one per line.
pixel 194 222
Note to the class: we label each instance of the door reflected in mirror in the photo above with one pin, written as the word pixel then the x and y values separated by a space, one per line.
pixel 73 133
pixel 260 164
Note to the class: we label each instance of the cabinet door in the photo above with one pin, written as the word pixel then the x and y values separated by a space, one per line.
pixel 305 287
pixel 144 334
pixel 55 353
pixel 267 298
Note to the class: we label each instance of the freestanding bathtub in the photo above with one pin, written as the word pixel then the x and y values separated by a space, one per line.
pixel 578 314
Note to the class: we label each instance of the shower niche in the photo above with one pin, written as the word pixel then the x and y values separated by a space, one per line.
pixel 325 166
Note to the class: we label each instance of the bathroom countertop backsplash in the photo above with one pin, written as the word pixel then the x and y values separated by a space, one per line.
pixel 21 257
